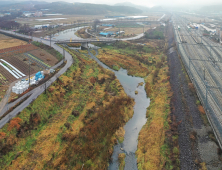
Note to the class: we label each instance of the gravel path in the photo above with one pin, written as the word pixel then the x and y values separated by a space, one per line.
pixel 181 111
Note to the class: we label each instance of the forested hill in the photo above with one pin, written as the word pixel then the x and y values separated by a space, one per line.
pixel 87 9
pixel 143 8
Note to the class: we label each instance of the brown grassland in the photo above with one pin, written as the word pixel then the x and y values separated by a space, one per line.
pixel 69 19
pixel 76 122
pixel 6 42
pixel 82 33
pixel 157 145
pixel 132 31
pixel 121 159
pixel 134 58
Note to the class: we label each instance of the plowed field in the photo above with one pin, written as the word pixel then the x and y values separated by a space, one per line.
pixel 20 65
pixel 6 42
pixel 44 56
pixel 6 74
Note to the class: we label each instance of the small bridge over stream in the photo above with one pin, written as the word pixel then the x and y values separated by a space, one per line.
pixel 85 42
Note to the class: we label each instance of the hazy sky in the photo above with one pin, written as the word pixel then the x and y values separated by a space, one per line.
pixel 151 3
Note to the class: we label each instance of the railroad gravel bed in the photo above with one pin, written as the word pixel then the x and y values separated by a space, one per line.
pixel 201 148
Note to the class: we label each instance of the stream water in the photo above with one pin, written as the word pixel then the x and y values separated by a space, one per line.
pixel 67 34
pixel 134 125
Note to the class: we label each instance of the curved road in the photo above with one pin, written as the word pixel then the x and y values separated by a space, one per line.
pixel 40 89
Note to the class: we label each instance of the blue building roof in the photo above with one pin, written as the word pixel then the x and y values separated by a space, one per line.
pixel 106 33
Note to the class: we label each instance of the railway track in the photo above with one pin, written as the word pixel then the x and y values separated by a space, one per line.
pixel 209 68
pixel 213 94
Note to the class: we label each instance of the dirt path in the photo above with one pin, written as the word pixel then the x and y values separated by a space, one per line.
pixel 196 146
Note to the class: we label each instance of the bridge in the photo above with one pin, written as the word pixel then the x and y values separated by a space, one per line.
pixel 84 42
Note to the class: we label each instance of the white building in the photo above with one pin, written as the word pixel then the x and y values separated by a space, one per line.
pixel 38 14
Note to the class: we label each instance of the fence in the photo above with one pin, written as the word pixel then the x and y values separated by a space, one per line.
pixel 207 94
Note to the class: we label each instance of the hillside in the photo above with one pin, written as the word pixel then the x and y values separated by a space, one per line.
pixel 86 8
pixel 129 4
pixel 23 5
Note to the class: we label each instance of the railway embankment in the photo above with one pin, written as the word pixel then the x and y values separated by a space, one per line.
pixel 198 146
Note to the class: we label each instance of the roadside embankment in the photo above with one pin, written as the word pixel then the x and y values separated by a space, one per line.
pixel 73 125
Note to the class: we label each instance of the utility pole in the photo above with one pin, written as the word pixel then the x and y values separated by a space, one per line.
pixel 206 95
pixel 50 39
pixel 29 73
pixel 119 33
pixel 45 87
pixel 63 54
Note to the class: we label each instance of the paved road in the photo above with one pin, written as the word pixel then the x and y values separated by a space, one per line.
pixel 133 38
pixel 39 90
pixel 102 39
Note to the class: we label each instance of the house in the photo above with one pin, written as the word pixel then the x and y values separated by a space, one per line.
pixel 38 14
pixel 7 13
pixel 106 34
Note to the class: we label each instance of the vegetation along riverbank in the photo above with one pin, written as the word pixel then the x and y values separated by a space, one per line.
pixel 158 140
pixel 73 126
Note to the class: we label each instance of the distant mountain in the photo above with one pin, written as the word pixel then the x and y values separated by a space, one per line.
pixel 23 5
pixel 3 3
pixel 87 9
pixel 143 8
pixel 157 8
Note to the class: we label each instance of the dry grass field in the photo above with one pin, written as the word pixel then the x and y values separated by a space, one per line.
pixel 6 42
pixel 68 19
pixel 129 30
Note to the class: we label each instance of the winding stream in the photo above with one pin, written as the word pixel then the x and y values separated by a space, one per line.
pixel 67 34
pixel 134 125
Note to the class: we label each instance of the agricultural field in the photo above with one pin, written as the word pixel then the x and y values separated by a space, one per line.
pixel 70 119
pixel 129 29
pixel 20 57
pixel 7 42
pixel 69 19
pixel 3 90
